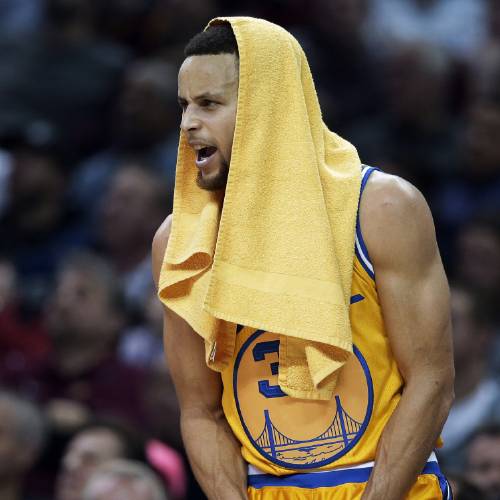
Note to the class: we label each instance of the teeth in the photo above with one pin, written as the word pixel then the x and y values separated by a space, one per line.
pixel 204 152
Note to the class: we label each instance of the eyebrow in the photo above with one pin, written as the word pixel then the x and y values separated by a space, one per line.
pixel 205 95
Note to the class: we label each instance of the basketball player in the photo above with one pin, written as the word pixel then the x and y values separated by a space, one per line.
pixel 374 440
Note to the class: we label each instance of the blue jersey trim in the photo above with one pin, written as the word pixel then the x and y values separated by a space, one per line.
pixel 326 479
pixel 357 298
pixel 335 457
pixel 361 250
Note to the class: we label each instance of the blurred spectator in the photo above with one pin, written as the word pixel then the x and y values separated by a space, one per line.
pixel 83 375
pixel 123 480
pixel 346 73
pixel 475 187
pixel 485 75
pixel 46 76
pixel 459 26
pixel 7 283
pixel 477 391
pixel 416 135
pixel 92 446
pixel 463 489
pixel 154 26
pixel 161 407
pixel 169 464
pixel 134 206
pixel 145 127
pixel 23 338
pixel 5 170
pixel 483 461
pixel 22 435
pixel 142 344
pixel 477 255
pixel 494 20
pixel 38 228
pixel 20 17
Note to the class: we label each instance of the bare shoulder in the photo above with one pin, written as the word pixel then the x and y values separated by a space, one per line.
pixel 395 220
pixel 387 194
pixel 159 247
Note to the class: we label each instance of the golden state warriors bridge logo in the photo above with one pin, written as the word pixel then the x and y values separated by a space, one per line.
pixel 298 433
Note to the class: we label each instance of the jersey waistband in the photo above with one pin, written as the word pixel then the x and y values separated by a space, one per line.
pixel 326 479
pixel 254 471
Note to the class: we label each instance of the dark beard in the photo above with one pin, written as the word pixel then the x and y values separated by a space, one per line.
pixel 214 183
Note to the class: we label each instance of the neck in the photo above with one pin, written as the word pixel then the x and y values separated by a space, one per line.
pixel 468 377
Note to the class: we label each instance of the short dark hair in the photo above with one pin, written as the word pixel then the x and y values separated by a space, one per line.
pixel 490 429
pixel 131 439
pixel 216 39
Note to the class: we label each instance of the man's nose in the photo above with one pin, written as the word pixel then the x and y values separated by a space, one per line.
pixel 71 462
pixel 190 120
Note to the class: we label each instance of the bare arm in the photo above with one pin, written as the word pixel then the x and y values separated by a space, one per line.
pixel 213 451
pixel 414 296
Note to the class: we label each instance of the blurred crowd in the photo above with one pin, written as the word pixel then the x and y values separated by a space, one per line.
pixel 88 141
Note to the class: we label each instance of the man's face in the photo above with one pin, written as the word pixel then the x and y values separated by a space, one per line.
pixel 113 487
pixel 208 96
pixel 84 454
pixel 79 309
pixel 14 458
pixel 130 212
pixel 484 465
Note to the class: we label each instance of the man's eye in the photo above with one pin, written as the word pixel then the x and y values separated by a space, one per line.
pixel 207 103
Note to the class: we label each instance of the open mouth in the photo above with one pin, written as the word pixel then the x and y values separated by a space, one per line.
pixel 204 155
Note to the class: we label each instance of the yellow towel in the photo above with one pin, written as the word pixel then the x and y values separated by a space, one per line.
pixel 276 251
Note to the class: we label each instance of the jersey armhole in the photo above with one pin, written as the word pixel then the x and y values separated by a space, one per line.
pixel 361 250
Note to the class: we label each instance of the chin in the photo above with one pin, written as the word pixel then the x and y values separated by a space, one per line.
pixel 214 181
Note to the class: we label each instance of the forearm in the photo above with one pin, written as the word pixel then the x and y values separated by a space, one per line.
pixel 214 455
pixel 408 439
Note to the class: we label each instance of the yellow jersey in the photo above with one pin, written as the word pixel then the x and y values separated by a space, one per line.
pixel 283 439
pixel 281 435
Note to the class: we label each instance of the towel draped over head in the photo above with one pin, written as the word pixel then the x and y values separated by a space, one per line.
pixel 275 251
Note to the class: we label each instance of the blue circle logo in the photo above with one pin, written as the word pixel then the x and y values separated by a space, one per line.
pixel 298 433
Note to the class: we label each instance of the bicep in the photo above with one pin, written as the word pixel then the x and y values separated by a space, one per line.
pixel 196 385
pixel 411 282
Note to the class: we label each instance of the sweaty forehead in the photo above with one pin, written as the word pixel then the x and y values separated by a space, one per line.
pixel 208 74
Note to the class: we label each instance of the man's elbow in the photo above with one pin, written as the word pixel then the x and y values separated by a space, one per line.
pixel 444 393
pixel 436 386
pixel 201 412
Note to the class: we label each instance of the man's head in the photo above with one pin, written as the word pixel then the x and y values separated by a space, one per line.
pixel 483 461
pixel 473 330
pixel 91 447
pixel 134 206
pixel 36 186
pixel 86 308
pixel 208 96
pixel 123 480
pixel 145 112
pixel 22 434
pixel 418 79
pixel 478 253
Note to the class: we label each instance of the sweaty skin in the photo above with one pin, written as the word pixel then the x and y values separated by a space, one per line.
pixel 411 285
